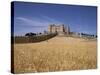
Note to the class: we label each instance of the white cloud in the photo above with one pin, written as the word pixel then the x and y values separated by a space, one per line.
pixel 51 20
pixel 42 21
pixel 24 24
pixel 30 22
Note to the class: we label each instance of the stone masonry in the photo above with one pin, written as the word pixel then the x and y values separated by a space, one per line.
pixel 61 30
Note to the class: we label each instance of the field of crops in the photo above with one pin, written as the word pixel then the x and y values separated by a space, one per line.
pixel 56 54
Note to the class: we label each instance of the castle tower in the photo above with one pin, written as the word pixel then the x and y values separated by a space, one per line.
pixel 49 28
pixel 54 29
pixel 68 30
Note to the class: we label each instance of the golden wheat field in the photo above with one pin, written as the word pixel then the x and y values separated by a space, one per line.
pixel 56 54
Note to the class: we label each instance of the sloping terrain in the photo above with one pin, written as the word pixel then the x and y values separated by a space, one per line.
pixel 56 54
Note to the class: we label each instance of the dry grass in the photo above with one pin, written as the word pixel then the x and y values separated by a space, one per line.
pixel 56 54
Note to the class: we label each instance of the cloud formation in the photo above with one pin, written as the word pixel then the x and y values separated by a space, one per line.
pixel 36 24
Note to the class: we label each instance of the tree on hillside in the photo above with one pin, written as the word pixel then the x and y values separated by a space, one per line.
pixel 30 34
pixel 40 33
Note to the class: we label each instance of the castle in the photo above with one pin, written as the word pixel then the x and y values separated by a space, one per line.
pixel 61 30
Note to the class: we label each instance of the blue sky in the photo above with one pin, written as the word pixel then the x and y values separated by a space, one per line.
pixel 35 17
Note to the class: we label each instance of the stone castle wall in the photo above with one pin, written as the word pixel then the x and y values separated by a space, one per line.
pixel 59 29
